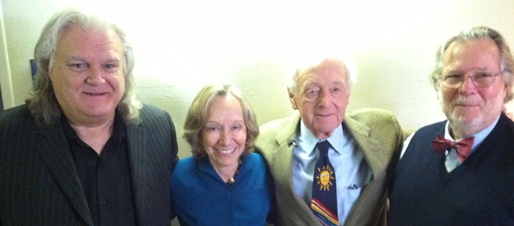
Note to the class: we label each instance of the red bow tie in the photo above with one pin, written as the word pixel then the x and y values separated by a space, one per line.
pixel 463 146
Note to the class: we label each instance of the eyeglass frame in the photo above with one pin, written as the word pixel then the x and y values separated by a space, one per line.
pixel 464 77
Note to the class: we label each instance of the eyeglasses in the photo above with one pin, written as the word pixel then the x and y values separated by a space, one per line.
pixel 480 79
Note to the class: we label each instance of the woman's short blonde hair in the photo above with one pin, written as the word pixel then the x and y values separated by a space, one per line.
pixel 197 116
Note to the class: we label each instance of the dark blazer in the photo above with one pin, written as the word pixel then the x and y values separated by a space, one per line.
pixel 380 137
pixel 39 184
pixel 477 192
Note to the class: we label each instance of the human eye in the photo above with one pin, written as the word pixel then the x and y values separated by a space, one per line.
pixel 312 92
pixel 78 66
pixel 337 89
pixel 452 78
pixel 213 128
pixel 482 75
pixel 483 78
pixel 237 127
pixel 111 66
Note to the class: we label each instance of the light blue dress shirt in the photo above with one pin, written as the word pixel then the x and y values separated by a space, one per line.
pixel 351 170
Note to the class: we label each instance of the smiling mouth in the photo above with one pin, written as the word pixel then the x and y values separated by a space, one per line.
pixel 323 115
pixel 227 151
pixel 466 105
pixel 95 94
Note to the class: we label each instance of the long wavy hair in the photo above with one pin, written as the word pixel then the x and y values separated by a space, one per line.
pixel 42 102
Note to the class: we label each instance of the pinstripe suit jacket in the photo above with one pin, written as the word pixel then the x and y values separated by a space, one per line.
pixel 377 133
pixel 39 184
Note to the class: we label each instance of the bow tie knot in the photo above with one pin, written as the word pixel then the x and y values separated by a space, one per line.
pixel 463 146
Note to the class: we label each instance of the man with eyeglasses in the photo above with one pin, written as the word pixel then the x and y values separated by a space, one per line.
pixel 461 171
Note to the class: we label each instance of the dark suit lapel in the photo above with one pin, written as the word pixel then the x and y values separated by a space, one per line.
pixel 138 164
pixel 51 144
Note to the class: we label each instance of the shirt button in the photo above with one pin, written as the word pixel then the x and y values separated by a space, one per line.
pixel 103 202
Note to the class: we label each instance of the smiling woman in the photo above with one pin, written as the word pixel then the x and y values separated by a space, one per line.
pixel 224 183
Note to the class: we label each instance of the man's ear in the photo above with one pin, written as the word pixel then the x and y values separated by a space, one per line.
pixel 291 98
pixel 507 89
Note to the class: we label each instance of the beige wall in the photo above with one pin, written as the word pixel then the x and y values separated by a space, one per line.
pixel 181 45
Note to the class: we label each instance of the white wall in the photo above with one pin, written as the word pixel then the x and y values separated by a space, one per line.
pixel 181 45
pixel 5 75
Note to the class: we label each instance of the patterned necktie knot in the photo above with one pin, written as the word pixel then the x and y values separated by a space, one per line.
pixel 463 146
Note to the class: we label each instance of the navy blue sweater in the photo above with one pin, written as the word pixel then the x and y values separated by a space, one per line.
pixel 478 192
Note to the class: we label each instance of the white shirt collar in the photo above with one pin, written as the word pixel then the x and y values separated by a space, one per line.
pixel 309 141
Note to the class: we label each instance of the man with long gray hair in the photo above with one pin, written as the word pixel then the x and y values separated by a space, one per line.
pixel 83 150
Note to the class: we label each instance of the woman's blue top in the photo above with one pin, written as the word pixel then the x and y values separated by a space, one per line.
pixel 200 197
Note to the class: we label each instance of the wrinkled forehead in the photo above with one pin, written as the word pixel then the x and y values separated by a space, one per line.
pixel 328 70
pixel 477 54
pixel 325 67
pixel 89 30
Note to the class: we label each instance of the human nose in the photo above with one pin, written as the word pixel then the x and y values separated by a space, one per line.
pixel 324 98
pixel 95 76
pixel 226 137
pixel 468 85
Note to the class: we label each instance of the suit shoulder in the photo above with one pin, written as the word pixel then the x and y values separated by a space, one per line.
pixel 151 109
pixel 16 118
pixel 371 112
pixel 381 123
pixel 430 128
pixel 374 116
pixel 152 114
pixel 15 112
